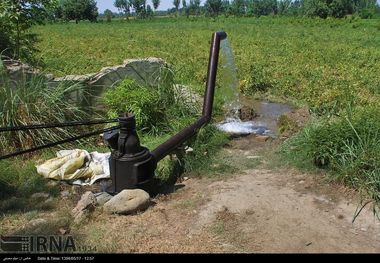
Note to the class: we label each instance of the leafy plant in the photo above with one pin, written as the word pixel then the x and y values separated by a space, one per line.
pixel 16 18
pixel 144 102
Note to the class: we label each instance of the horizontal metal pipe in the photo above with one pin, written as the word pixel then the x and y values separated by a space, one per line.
pixel 171 144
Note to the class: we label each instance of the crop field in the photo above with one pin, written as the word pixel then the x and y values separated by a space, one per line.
pixel 306 61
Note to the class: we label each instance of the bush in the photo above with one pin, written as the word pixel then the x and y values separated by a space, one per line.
pixel 348 146
pixel 158 110
pixel 144 102
pixel 367 13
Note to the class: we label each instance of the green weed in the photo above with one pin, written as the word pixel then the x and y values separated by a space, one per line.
pixel 346 145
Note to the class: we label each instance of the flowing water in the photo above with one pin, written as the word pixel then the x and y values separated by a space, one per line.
pixel 265 124
pixel 229 90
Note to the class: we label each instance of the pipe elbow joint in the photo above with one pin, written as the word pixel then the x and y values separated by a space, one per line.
pixel 221 34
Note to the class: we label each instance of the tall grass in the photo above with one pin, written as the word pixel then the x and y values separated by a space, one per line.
pixel 346 145
pixel 34 102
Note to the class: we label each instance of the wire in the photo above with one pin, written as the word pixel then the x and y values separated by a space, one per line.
pixel 58 142
pixel 54 125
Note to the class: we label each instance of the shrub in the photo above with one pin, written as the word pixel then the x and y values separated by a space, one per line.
pixel 144 102
pixel 346 145
pixel 158 110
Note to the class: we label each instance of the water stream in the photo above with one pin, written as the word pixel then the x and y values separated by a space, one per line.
pixel 268 113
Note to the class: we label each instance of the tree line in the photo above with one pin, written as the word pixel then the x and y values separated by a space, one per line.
pixel 86 9
pixel 213 8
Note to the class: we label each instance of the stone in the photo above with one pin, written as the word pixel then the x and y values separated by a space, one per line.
pixel 81 216
pixel 188 150
pixel 187 95
pixel 143 71
pixel 247 114
pixel 87 202
pixel 102 198
pixel 128 202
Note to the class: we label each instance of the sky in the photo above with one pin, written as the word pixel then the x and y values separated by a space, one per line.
pixel 108 4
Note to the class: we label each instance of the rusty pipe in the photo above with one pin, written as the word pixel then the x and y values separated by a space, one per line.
pixel 168 146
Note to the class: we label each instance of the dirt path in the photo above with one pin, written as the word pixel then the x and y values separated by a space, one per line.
pixel 266 211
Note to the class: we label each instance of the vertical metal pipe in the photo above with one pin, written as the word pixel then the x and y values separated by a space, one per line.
pixel 165 148
pixel 211 74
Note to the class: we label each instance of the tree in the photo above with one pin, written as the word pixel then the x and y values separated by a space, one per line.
pixel 16 18
pixel 238 7
pixel 139 6
pixel 214 7
pixel 108 14
pixel 79 10
pixel 149 11
pixel 185 8
pixel 155 3
pixel 284 7
pixel 262 7
pixel 123 6
pixel 227 8
pixel 176 5
pixel 195 7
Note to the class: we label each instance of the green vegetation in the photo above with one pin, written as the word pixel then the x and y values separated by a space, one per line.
pixel 309 61
pixel 76 10
pixel 158 109
pixel 347 145
pixel 16 18
pixel 33 102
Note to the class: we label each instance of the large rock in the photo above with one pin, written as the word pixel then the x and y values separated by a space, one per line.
pixel 128 202
pixel 149 71
pixel 102 198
